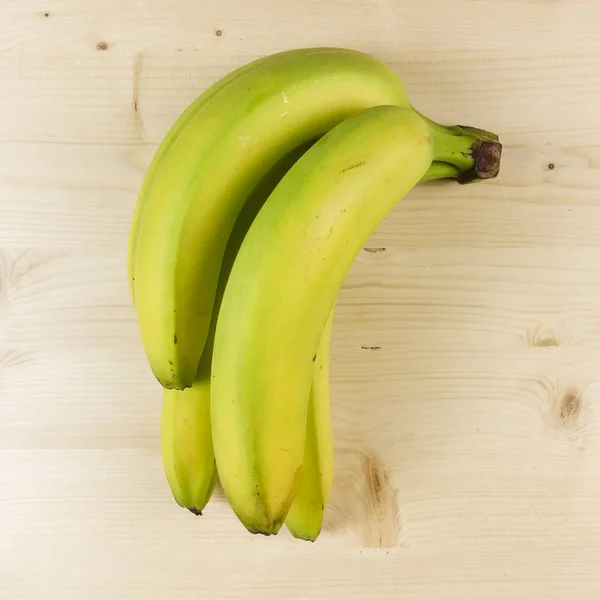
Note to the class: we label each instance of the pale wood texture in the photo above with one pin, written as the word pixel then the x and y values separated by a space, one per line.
pixel 466 351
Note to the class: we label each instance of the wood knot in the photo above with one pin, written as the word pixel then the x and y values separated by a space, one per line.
pixel 15 267
pixel 101 46
pixel 570 408
pixel 543 338
pixel 545 342
pixel 567 409
pixel 381 516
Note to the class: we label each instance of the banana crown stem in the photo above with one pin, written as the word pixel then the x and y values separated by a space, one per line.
pixel 475 153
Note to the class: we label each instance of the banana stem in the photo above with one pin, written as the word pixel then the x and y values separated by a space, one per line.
pixel 440 170
pixel 475 153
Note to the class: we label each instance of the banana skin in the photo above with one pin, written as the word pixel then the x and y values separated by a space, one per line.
pixel 459 153
pixel 186 434
pixel 210 161
pixel 186 445
pixel 191 113
pixel 281 291
pixel 305 516
pixel 191 203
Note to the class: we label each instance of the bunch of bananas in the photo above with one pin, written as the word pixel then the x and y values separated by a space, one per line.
pixel 254 207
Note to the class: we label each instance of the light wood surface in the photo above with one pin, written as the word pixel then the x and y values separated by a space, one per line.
pixel 466 350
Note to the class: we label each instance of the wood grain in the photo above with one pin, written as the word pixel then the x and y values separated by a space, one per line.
pixel 466 349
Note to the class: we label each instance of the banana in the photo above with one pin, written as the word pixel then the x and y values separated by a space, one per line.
pixel 184 121
pixel 193 112
pixel 186 437
pixel 305 516
pixel 206 174
pixel 186 445
pixel 284 283
pixel 208 165
pixel 281 290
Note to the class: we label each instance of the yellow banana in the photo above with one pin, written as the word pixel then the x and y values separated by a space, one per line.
pixel 305 516
pixel 284 283
pixel 192 201
pixel 186 445
pixel 184 120
pixel 193 112
pixel 210 162
pixel 281 290
pixel 186 438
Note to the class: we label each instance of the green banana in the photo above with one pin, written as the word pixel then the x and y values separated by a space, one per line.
pixel 305 516
pixel 281 290
pixel 212 159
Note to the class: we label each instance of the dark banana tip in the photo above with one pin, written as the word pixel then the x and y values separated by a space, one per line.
pixel 486 162
pixel 195 511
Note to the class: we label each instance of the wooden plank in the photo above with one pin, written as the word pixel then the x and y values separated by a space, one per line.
pixel 465 360
pixel 61 196
pixel 124 98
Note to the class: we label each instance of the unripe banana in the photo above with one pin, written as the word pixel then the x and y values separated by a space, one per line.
pixel 305 516
pixel 281 290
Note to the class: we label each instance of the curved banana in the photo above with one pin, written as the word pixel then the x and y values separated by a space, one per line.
pixel 186 445
pixel 194 113
pixel 281 290
pixel 183 121
pixel 186 436
pixel 207 167
pixel 205 176
pixel 305 516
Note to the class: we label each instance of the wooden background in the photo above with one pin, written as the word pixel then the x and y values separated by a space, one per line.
pixel 466 352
